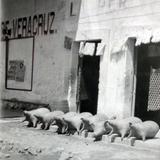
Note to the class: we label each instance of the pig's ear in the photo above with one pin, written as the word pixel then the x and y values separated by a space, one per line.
pixel 85 120
pixel 106 123
pixel 26 113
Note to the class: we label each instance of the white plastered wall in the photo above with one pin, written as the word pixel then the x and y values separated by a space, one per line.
pixel 52 62
pixel 136 19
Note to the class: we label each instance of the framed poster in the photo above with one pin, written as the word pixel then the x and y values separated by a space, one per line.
pixel 19 63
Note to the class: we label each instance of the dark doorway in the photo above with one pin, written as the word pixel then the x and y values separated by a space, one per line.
pixel 89 79
pixel 147 104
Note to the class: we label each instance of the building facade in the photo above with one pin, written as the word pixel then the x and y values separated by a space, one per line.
pixel 112 65
pixel 128 74
pixel 38 34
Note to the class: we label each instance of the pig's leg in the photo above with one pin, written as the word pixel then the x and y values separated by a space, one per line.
pixel 48 125
pixel 143 137
pixel 35 122
pixel 111 132
pixel 43 125
pixel 130 134
pixel 123 135
pixel 30 124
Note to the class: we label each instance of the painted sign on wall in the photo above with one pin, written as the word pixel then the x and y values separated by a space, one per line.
pixel 41 24
pixel 112 3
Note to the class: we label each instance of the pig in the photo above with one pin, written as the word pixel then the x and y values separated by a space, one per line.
pixel 86 122
pixel 30 116
pixel 146 129
pixel 75 122
pixel 99 129
pixel 121 126
pixel 48 118
pixel 60 122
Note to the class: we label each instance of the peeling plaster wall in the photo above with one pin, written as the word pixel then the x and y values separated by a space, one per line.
pixel 114 21
pixel 52 62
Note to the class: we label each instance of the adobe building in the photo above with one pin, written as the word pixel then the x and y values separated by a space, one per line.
pixel 36 46
pixel 100 56
pixel 128 82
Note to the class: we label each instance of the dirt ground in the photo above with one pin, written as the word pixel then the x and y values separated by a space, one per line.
pixel 17 142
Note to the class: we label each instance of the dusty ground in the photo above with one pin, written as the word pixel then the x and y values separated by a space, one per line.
pixel 17 142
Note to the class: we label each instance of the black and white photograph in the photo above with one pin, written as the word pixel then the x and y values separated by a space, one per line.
pixel 80 79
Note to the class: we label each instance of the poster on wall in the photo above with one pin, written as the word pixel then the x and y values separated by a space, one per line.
pixel 68 42
pixel 19 60
pixel 16 70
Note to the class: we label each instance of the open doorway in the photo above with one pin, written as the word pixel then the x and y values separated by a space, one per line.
pixel 147 104
pixel 88 86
